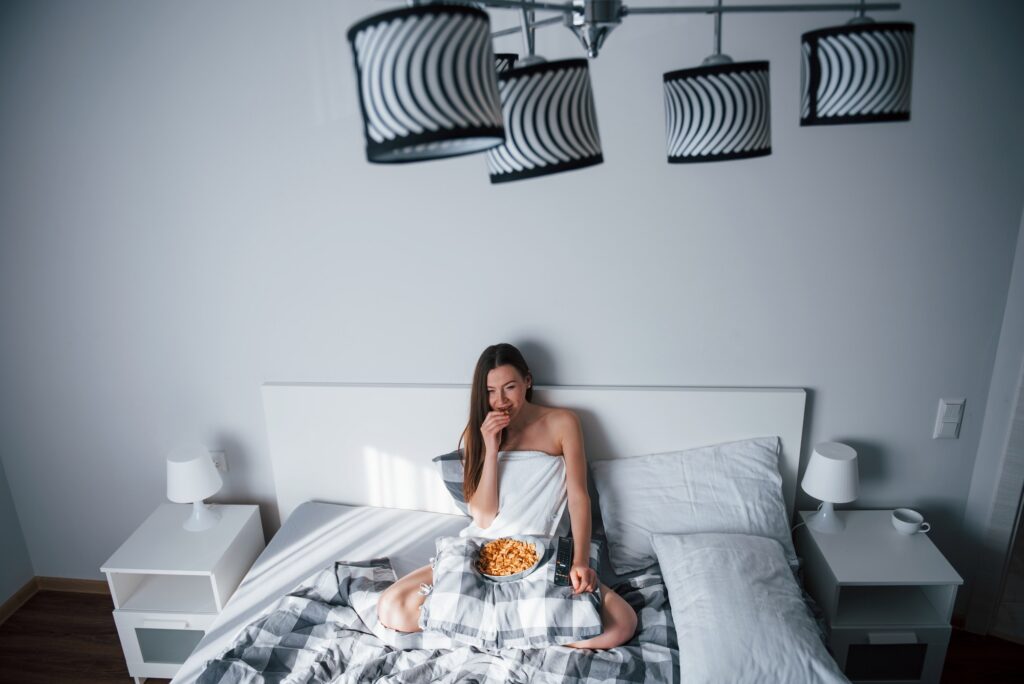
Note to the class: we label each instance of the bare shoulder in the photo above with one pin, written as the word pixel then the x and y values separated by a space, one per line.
pixel 564 427
pixel 561 421
pixel 563 415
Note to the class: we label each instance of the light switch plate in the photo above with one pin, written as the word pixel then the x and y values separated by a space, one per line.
pixel 949 418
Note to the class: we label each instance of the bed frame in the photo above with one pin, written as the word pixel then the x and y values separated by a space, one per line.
pixel 362 444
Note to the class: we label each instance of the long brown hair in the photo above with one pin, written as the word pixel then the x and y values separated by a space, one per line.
pixel 479 406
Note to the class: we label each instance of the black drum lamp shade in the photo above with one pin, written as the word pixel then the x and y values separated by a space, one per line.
pixel 427 83
pixel 858 73
pixel 504 61
pixel 718 112
pixel 550 121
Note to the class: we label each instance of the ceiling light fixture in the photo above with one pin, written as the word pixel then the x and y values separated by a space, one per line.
pixel 427 83
pixel 719 110
pixel 430 85
pixel 503 61
pixel 857 73
pixel 550 120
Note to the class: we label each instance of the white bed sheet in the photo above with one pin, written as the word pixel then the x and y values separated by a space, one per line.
pixel 313 537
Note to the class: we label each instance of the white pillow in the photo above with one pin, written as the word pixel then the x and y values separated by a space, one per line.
pixel 739 614
pixel 733 487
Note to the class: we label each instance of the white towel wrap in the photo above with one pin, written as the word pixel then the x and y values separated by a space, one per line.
pixel 531 497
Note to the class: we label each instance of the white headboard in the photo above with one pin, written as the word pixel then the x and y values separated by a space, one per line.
pixel 373 444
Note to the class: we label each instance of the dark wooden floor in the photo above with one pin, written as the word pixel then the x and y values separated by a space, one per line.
pixel 62 638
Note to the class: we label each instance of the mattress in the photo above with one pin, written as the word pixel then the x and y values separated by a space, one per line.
pixel 313 537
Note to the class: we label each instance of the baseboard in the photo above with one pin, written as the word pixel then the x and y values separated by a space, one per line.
pixel 17 600
pixel 1007 636
pixel 69 584
pixel 77 586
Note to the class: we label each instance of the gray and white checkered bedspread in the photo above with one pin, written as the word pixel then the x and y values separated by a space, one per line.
pixel 531 612
pixel 326 630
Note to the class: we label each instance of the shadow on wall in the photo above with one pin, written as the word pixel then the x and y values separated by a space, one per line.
pixel 871 471
pixel 871 463
pixel 804 502
pixel 540 361
pixel 238 468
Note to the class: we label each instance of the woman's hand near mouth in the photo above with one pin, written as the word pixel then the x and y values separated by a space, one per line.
pixel 491 429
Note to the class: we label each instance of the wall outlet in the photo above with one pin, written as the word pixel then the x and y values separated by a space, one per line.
pixel 220 460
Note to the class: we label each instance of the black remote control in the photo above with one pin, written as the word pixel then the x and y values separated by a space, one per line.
pixel 563 562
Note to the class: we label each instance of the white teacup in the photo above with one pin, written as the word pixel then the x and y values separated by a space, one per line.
pixel 907 521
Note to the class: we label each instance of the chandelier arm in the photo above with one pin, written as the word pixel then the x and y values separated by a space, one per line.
pixel 533 25
pixel 751 9
pixel 718 30
pixel 526 20
pixel 563 7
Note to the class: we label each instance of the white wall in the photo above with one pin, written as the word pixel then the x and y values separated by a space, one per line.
pixel 187 213
pixel 15 566
pixel 993 501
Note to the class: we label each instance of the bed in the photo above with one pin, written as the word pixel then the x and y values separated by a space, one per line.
pixel 387 499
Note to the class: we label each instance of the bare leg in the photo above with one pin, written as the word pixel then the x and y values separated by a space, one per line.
pixel 399 605
pixel 618 618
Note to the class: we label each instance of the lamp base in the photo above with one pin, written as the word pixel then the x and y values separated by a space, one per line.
pixel 826 520
pixel 203 517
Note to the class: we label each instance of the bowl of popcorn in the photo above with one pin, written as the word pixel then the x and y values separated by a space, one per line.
pixel 510 558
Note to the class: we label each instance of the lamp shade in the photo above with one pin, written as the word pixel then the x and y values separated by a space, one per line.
pixel 831 474
pixel 427 83
pixel 858 73
pixel 191 475
pixel 504 61
pixel 718 112
pixel 550 121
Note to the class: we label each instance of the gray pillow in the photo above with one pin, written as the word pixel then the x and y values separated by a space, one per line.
pixel 729 488
pixel 450 467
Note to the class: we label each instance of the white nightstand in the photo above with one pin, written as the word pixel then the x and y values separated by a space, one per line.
pixel 168 584
pixel 888 597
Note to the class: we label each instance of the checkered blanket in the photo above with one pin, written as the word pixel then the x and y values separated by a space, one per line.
pixel 531 612
pixel 326 630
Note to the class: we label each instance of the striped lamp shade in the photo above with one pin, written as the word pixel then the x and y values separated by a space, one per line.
pixel 550 121
pixel 858 73
pixel 504 61
pixel 427 83
pixel 718 112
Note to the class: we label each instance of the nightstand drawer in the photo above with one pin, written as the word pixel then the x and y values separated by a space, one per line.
pixel 903 654
pixel 156 644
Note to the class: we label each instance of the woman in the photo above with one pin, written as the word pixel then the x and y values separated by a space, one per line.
pixel 503 421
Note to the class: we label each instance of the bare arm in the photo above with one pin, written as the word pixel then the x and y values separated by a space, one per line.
pixel 483 505
pixel 568 428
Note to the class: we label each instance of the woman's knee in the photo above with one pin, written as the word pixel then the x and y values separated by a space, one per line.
pixel 386 606
pixel 619 621
pixel 626 625
pixel 623 619
pixel 391 608
pixel 620 632
pixel 398 608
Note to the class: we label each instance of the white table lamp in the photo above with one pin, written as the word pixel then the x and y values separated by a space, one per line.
pixel 191 477
pixel 831 477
